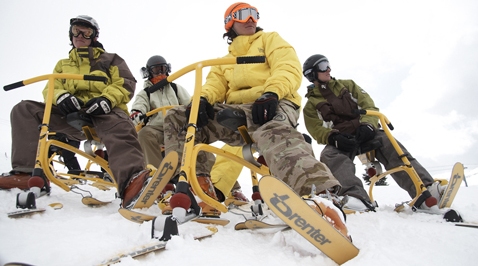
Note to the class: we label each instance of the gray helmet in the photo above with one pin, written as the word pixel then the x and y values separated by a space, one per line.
pixel 85 20
pixel 309 68
pixel 154 61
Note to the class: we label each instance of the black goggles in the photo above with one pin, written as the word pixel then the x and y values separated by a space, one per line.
pixel 160 69
pixel 87 32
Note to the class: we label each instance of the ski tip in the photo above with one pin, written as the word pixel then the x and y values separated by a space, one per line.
pixel 17 264
pixel 56 205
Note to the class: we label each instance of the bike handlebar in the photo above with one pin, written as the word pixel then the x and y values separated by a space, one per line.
pixel 23 83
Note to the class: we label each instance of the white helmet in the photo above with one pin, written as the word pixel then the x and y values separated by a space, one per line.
pixel 85 19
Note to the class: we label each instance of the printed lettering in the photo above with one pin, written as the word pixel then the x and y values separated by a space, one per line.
pixel 279 202
pixel 450 189
pixel 162 172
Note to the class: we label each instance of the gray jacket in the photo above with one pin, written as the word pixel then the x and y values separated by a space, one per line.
pixel 163 97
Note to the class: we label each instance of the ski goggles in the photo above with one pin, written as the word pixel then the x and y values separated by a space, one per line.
pixel 87 32
pixel 243 15
pixel 160 69
pixel 323 66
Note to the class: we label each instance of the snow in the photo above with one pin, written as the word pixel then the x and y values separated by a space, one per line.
pixel 81 235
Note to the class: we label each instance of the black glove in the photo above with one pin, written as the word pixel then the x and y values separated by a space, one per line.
pixel 364 133
pixel 307 138
pixel 136 116
pixel 205 112
pixel 342 141
pixel 98 106
pixel 265 108
pixel 68 103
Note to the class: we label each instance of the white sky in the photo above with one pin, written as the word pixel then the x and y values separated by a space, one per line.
pixel 417 59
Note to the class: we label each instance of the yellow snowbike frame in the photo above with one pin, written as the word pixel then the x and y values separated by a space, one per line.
pixel 43 162
pixel 191 150
pixel 407 167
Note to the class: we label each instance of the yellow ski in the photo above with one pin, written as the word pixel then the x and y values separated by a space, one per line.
pixel 295 212
pixel 454 183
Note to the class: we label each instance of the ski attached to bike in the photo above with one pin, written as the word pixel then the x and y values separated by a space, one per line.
pixel 153 189
pixel 153 246
pixel 297 214
pixel 457 176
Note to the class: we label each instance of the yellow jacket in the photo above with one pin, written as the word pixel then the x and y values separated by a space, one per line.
pixel 244 83
pixel 95 61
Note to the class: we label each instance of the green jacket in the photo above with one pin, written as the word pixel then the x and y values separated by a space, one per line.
pixel 322 117
pixel 244 83
pixel 95 61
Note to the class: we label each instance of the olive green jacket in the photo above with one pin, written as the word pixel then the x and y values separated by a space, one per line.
pixel 319 127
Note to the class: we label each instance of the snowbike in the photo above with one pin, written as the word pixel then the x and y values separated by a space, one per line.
pixel 375 172
pixel 50 164
pixel 278 196
pixel 232 119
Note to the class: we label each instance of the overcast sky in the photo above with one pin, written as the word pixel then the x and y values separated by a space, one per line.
pixel 417 59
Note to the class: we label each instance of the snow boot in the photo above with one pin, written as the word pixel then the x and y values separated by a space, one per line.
pixel 208 188
pixel 333 214
pixel 436 190
pixel 163 203
pixel 135 186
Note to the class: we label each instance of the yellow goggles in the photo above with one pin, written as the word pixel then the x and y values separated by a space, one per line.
pixel 87 32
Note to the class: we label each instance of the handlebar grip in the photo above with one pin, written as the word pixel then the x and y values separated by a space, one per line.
pixel 360 111
pixel 250 59
pixel 13 86
pixel 95 78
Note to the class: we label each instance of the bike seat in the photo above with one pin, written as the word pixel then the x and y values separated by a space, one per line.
pixel 79 120
pixel 368 146
pixel 232 118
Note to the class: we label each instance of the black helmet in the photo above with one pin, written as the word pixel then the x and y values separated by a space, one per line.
pixel 309 68
pixel 155 60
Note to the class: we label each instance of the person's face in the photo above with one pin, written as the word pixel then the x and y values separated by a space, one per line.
pixel 324 76
pixel 80 40
pixel 158 73
pixel 245 28
pixel 157 70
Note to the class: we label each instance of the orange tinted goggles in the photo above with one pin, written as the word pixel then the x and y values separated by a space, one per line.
pixel 87 32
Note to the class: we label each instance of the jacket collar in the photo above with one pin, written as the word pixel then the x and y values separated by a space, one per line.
pixel 242 43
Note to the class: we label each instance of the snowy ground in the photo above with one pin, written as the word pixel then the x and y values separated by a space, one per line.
pixel 81 235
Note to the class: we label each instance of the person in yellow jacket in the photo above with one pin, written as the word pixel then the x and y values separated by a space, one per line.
pixel 267 94
pixel 224 174
pixel 104 103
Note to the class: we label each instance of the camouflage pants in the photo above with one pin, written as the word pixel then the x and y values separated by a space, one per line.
pixel 289 157
pixel 344 169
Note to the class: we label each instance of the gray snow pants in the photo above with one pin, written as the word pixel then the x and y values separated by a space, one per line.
pixel 343 168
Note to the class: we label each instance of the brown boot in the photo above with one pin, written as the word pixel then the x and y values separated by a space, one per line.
pixel 134 188
pixel 331 213
pixel 238 195
pixel 208 188
pixel 163 199
pixel 14 180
